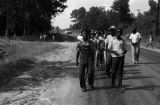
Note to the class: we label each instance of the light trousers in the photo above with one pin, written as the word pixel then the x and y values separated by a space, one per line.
pixel 135 50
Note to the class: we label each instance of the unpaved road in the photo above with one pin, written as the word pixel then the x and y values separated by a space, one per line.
pixel 141 83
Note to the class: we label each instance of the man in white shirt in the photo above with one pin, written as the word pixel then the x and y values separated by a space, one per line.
pixel 135 39
pixel 108 60
pixel 118 49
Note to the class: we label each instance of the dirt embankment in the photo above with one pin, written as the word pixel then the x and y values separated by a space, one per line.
pixel 27 77
pixel 21 55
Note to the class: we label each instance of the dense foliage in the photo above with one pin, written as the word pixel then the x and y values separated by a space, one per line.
pixel 119 15
pixel 26 17
pixel 99 18
pixel 146 21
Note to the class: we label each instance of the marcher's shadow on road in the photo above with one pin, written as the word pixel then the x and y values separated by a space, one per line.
pixel 106 88
pixel 101 78
pixel 131 65
pixel 147 87
pixel 131 72
pixel 136 77
pixel 149 63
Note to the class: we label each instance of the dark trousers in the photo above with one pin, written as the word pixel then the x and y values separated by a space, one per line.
pixel 108 63
pixel 86 71
pixel 99 57
pixel 117 70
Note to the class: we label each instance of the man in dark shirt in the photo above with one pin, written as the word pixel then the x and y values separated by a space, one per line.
pixel 85 60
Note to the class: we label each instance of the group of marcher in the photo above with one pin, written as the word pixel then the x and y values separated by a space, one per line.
pixel 97 49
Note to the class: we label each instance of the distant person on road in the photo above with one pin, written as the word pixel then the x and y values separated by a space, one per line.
pixel 135 39
pixel 150 40
pixel 118 49
pixel 85 60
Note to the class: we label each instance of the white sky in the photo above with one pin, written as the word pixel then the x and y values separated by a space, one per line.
pixel 63 20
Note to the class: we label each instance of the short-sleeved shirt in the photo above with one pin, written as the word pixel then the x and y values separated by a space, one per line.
pixel 86 52
pixel 119 46
pixel 150 38
pixel 108 40
pixel 135 37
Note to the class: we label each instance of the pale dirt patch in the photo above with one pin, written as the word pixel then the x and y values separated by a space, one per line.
pixel 58 55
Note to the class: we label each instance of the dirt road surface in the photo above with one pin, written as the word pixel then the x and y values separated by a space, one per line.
pixel 141 83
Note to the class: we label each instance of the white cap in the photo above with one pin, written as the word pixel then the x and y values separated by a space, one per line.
pixel 80 38
pixel 112 27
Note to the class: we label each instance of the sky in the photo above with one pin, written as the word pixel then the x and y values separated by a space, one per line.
pixel 63 20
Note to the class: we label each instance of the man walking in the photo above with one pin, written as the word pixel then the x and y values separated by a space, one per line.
pixel 108 54
pixel 135 39
pixel 85 52
pixel 150 40
pixel 118 49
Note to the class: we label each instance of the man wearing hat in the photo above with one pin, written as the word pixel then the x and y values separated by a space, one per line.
pixel 135 39
pixel 112 31
pixel 118 50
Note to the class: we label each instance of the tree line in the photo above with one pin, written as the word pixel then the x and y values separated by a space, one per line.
pixel 147 21
pixel 119 15
pixel 28 17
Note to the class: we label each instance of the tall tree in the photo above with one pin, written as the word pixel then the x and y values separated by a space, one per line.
pixel 95 18
pixel 81 12
pixel 153 7
pixel 74 16
pixel 33 15
pixel 121 8
pixel 78 16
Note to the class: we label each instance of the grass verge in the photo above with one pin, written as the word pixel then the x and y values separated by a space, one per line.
pixel 21 57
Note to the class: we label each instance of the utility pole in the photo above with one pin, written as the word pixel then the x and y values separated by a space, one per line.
pixel 157 19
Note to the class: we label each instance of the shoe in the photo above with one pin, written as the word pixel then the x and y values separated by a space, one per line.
pixel 109 76
pixel 83 89
pixel 92 87
pixel 113 85
pixel 122 90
